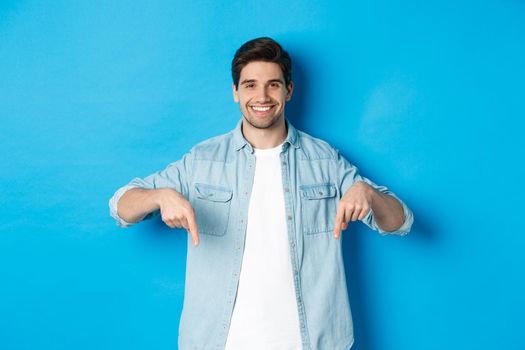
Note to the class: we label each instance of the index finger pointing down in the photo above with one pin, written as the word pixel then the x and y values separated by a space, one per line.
pixel 339 219
pixel 194 231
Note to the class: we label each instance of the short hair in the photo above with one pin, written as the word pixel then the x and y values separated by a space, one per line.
pixel 261 49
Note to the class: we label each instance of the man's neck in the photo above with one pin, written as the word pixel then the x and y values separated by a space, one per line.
pixel 265 138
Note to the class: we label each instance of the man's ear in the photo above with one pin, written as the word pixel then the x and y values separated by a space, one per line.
pixel 289 88
pixel 235 93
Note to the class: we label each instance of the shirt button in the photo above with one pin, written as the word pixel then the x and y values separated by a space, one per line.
pixel 286 190
pixel 284 163
pixel 289 217
pixel 321 193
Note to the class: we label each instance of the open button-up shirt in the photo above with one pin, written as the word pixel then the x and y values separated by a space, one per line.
pixel 216 176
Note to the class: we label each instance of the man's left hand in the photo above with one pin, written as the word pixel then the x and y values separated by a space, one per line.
pixel 354 205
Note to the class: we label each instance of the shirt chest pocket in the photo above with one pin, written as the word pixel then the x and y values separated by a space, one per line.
pixel 318 207
pixel 212 208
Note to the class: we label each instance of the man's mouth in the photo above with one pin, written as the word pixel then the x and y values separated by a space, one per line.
pixel 261 109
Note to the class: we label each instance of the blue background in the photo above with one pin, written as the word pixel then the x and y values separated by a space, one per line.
pixel 424 97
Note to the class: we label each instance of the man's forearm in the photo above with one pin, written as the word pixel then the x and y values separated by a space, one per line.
pixel 388 211
pixel 136 203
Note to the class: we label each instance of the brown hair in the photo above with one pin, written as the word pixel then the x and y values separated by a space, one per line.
pixel 261 49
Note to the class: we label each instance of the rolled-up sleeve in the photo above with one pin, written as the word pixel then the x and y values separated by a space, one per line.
pixel 113 206
pixel 174 176
pixel 348 174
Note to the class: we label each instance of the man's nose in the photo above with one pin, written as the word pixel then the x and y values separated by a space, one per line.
pixel 262 95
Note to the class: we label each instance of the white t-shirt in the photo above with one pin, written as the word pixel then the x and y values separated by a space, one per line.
pixel 265 314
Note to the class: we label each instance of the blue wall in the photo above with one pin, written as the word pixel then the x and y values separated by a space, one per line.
pixel 424 97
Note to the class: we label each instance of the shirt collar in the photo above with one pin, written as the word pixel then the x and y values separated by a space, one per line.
pixel 239 140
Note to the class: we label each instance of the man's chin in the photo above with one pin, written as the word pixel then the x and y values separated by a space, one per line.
pixel 263 124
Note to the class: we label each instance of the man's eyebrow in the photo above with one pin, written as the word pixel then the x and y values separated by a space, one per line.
pixel 247 81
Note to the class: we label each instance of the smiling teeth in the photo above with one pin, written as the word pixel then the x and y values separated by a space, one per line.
pixel 261 109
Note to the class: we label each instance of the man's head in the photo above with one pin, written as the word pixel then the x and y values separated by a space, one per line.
pixel 261 49
pixel 262 81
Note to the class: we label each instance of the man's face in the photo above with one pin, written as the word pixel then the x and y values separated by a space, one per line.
pixel 262 93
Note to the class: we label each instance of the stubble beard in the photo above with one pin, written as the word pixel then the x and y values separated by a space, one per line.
pixel 263 125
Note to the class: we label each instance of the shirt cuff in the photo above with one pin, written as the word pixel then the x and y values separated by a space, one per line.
pixel 113 206
pixel 402 230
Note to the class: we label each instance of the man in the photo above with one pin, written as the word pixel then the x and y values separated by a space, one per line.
pixel 264 206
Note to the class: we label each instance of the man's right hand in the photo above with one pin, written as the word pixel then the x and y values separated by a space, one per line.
pixel 176 212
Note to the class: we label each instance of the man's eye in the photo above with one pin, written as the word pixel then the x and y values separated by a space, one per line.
pixel 274 85
pixel 249 86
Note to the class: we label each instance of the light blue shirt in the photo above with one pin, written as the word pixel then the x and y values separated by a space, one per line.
pixel 216 176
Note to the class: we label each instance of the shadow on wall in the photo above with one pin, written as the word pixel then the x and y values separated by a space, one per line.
pixel 156 233
pixel 296 108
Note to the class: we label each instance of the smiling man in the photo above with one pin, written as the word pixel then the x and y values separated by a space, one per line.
pixel 264 206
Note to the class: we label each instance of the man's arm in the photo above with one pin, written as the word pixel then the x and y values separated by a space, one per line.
pixel 136 203
pixel 175 210
pixel 165 192
pixel 376 206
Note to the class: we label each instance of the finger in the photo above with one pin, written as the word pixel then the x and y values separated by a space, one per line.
pixel 344 224
pixel 349 211
pixel 192 226
pixel 339 219
pixel 356 212
pixel 168 222
pixel 177 223
pixel 364 213
pixel 184 223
